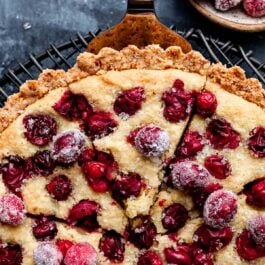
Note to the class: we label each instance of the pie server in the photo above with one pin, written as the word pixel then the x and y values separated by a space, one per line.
pixel 139 27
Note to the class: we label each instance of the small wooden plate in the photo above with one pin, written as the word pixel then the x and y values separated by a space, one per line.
pixel 235 19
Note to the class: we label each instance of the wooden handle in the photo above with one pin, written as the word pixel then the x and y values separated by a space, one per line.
pixel 140 6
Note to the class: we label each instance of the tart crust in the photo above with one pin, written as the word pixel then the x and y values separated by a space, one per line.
pixel 151 57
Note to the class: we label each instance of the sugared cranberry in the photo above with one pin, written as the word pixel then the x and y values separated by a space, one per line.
pixel 42 163
pixel 67 146
pixel 199 196
pixel 112 246
pixel 151 141
pixel 14 172
pixel 188 175
pixel 84 215
pixel 63 245
pixel 256 226
pixel 44 229
pixel 60 187
pixel 142 232
pixel 247 248
pixel 12 210
pixel 206 103
pixel 129 102
pixel 256 141
pixel 254 8
pixel 220 209
pixel 100 124
pixel 150 258
pixel 256 194
pixel 73 106
pixel 174 217
pixel 212 239
pixel 10 254
pixel 178 102
pixel 192 143
pixel 47 253
pixel 225 5
pixel 126 186
pixel 221 134
pixel 86 156
pixel 81 254
pixel 179 255
pixel 39 128
pixel 218 166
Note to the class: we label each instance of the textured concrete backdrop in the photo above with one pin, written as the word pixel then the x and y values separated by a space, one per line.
pixel 29 25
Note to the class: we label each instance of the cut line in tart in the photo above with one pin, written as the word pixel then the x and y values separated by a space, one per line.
pixel 139 156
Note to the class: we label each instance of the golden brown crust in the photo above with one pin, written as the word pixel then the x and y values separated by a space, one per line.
pixel 234 81
pixel 151 57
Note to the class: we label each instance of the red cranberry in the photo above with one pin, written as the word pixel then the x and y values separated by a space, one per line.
pixel 126 186
pixel 47 253
pixel 44 229
pixel 39 128
pixel 129 102
pixel 150 258
pixel 206 103
pixel 100 124
pixel 60 187
pixel 178 102
pixel 10 254
pixel 12 210
pixel 256 194
pixel 218 166
pixel 188 175
pixel 191 144
pixel 86 156
pixel 112 246
pixel 213 239
pixel 14 172
pixel 256 141
pixel 174 217
pixel 256 227
pixel 254 8
pixel 81 254
pixel 152 141
pixel 247 248
pixel 222 135
pixel 179 255
pixel 199 196
pixel 73 106
pixel 84 215
pixel 142 232
pixel 203 259
pixel 42 163
pixel 63 245
pixel 67 146
pixel 220 209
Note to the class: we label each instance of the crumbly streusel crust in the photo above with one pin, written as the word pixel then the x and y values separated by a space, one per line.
pixel 151 57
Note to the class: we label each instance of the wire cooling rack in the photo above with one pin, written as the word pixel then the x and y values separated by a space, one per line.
pixel 63 57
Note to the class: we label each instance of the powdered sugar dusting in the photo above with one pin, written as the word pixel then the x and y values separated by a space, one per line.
pixel 152 141
pixel 12 210
pixel 67 146
pixel 256 227
pixel 220 208
pixel 47 254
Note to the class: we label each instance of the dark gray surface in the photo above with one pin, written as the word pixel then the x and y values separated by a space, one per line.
pixel 55 21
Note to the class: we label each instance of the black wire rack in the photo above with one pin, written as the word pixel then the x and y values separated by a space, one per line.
pixel 64 55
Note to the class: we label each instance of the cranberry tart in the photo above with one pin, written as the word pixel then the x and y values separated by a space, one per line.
pixel 138 156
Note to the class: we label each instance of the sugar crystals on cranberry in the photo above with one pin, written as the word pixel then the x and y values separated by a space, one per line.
pixel 256 226
pixel 67 146
pixel 40 128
